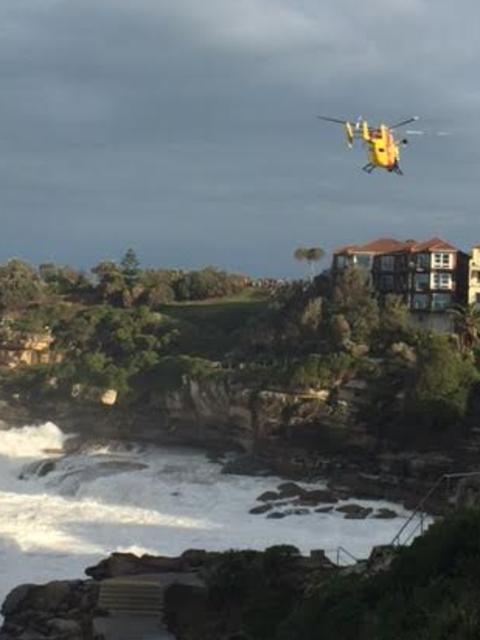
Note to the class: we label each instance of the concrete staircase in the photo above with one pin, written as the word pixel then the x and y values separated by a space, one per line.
pixel 134 597
pixel 132 606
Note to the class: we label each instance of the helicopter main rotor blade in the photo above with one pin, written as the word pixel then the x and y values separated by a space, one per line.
pixel 417 132
pixel 337 120
pixel 404 122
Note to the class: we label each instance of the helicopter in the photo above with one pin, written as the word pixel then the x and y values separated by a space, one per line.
pixel 383 147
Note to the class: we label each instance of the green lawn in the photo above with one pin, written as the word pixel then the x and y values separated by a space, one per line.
pixel 210 328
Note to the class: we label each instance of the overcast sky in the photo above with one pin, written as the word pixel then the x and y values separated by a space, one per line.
pixel 186 128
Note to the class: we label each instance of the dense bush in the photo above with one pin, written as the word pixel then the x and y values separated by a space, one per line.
pixel 264 587
pixel 431 592
pixel 208 283
pixel 20 285
pixel 441 384
pixel 321 372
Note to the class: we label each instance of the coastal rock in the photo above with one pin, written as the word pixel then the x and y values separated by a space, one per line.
pixel 354 511
pixel 276 515
pixel 16 598
pixel 385 514
pixel 298 512
pixel 316 496
pixel 246 465
pixel 380 559
pixel 65 628
pixel 264 508
pixel 50 597
pixel 109 397
pixel 126 564
pixel 59 610
pixel 290 490
pixel 267 496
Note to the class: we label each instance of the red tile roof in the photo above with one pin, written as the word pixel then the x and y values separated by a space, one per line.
pixel 390 245
pixel 381 245
pixel 434 244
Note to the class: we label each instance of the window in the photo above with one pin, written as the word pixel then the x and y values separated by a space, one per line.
pixel 423 261
pixel 441 301
pixel 421 282
pixel 441 260
pixel 341 262
pixel 386 283
pixel 363 261
pixel 477 298
pixel 442 280
pixel 420 301
pixel 386 263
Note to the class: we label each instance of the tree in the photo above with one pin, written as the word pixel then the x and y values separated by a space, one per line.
pixel 62 279
pixel 311 256
pixel 19 285
pixel 441 385
pixel 208 282
pixel 130 268
pixel 467 325
pixel 353 299
pixel 111 281
pixel 394 322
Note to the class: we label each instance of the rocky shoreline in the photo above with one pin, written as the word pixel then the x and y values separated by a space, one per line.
pixel 284 436
pixel 73 610
pixel 294 436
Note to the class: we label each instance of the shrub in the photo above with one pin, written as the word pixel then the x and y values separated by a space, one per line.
pixel 442 381
pixel 317 371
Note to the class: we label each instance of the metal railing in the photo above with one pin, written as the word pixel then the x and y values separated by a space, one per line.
pixel 419 515
pixel 341 556
pixel 418 519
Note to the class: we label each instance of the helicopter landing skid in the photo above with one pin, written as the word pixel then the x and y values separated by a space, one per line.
pixel 368 168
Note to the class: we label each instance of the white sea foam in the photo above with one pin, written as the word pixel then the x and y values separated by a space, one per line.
pixel 153 500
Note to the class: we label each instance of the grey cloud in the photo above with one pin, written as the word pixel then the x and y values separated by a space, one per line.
pixel 187 129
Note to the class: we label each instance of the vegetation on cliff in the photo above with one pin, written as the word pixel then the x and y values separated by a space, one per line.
pixel 432 590
pixel 144 331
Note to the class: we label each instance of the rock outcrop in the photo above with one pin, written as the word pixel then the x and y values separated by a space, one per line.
pixel 205 594
pixel 17 349
pixel 57 610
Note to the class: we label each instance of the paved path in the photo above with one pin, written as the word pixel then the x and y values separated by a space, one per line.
pixel 130 627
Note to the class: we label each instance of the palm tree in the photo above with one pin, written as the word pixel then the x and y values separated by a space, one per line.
pixel 467 325
pixel 310 255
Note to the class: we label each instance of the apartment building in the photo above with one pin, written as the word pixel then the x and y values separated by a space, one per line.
pixel 474 277
pixel 431 276
pixel 361 256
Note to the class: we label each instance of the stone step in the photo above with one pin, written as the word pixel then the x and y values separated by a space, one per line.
pixel 131 596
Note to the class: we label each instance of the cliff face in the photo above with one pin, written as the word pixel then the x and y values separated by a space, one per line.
pixel 221 411
pixel 208 412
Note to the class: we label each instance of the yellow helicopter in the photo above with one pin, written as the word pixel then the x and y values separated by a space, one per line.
pixel 383 148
